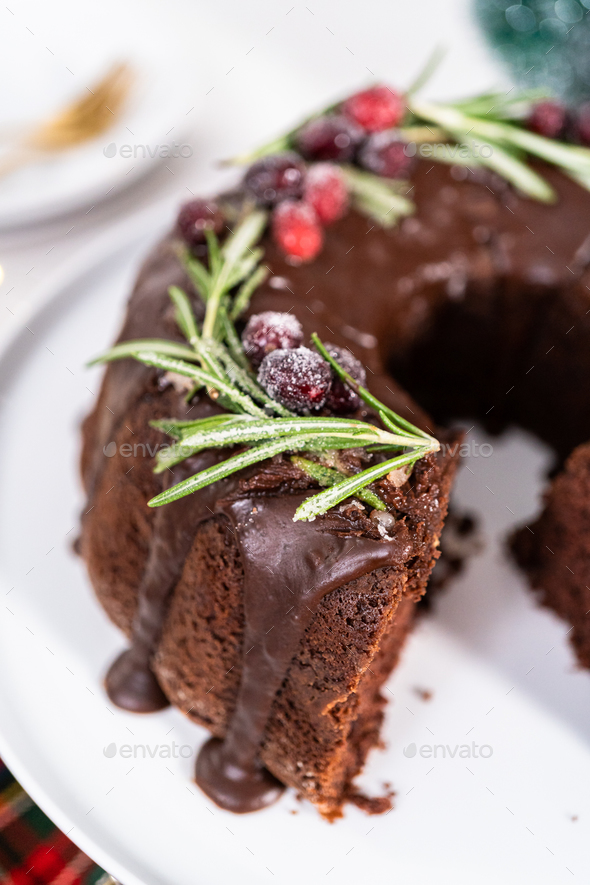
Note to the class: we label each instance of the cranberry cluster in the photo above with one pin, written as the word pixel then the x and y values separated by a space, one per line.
pixel 554 120
pixel 297 377
pixel 304 200
pixel 306 197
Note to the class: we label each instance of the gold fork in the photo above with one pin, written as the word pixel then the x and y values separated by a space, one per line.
pixel 82 119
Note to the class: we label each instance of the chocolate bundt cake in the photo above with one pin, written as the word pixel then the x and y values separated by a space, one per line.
pixel 267 610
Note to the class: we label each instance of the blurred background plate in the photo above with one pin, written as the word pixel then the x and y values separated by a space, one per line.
pixel 51 53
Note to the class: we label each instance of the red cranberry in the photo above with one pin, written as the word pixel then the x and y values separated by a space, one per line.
pixel 375 109
pixel 548 118
pixel 582 123
pixel 386 154
pixel 326 191
pixel 342 399
pixel 299 379
pixel 270 331
pixel 275 178
pixel 296 230
pixel 196 217
pixel 332 137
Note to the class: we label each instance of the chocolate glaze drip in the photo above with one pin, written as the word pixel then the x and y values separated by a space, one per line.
pixel 288 568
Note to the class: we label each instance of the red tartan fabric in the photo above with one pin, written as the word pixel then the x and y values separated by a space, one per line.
pixel 32 850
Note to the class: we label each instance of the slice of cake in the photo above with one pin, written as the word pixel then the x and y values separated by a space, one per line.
pixel 266 572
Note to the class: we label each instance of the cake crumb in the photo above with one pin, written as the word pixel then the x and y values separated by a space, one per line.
pixel 425 694
pixel 372 804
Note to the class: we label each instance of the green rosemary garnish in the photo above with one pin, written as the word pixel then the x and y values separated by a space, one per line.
pixel 379 198
pixel 492 120
pixel 259 425
pixel 328 476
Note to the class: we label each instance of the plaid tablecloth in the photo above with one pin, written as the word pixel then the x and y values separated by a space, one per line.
pixel 32 850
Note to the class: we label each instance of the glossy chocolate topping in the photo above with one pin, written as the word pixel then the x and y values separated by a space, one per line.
pixel 288 568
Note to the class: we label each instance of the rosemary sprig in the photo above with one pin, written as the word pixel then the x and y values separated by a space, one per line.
pixel 387 415
pixel 271 436
pixel 146 345
pixel 494 120
pixel 328 476
pixel 257 425
pixel 379 198
pixel 234 265
pixel 329 433
pixel 318 504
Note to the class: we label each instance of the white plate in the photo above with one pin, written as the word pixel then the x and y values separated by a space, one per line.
pixel 499 668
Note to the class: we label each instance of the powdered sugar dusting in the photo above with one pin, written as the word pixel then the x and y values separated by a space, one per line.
pixel 299 379
pixel 270 331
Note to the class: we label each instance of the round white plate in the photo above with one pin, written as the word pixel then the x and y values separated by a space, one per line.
pixel 492 786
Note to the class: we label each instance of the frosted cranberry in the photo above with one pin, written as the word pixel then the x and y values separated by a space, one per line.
pixel 296 230
pixel 275 178
pixel 582 123
pixel 375 109
pixel 548 118
pixel 385 154
pixel 326 191
pixel 342 399
pixel 270 331
pixel 196 217
pixel 332 137
pixel 299 379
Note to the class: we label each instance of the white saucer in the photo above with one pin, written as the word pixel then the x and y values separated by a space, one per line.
pixel 50 54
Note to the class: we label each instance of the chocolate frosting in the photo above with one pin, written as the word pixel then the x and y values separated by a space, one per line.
pixel 288 568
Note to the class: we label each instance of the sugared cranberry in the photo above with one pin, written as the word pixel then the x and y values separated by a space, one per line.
pixel 326 191
pixel 375 109
pixel 385 154
pixel 582 123
pixel 270 331
pixel 296 229
pixel 548 118
pixel 196 217
pixel 342 399
pixel 299 379
pixel 275 178
pixel 332 137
